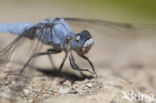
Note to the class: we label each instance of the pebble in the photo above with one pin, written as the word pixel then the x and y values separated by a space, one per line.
pixel 31 101
pixel 63 90
pixel 26 91
pixel 76 85
pixel 89 85
pixel 73 91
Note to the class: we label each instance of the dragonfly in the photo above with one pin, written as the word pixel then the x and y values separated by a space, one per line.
pixel 58 34
pixel 52 32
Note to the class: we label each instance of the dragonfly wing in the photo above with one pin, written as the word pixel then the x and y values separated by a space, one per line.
pixel 24 46
pixel 109 28
pixel 21 42
pixel 7 52
pixel 117 42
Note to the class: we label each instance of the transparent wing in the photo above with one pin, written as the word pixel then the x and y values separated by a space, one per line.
pixel 20 49
pixel 109 28
pixel 117 43
pixel 6 53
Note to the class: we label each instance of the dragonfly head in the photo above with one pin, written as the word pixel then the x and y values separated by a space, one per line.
pixel 82 42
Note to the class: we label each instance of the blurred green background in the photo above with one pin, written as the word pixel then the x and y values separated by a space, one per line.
pixel 125 11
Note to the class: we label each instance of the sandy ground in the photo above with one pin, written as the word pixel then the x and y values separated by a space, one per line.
pixel 124 57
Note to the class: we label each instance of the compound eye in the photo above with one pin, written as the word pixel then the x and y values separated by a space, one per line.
pixel 77 38
pixel 87 37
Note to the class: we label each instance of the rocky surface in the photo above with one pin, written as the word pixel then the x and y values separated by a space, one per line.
pixel 41 88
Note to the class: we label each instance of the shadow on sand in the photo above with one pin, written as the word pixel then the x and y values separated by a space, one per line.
pixel 63 74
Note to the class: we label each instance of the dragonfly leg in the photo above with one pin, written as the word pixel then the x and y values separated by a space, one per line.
pixel 61 66
pixel 51 51
pixel 64 59
pixel 91 64
pixel 62 63
pixel 51 61
pixel 75 66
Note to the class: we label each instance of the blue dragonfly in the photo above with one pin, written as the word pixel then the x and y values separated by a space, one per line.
pixel 57 34
pixel 52 32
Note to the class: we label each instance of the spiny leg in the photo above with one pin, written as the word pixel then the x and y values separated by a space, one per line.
pixel 75 66
pixel 64 59
pixel 61 66
pixel 51 51
pixel 51 59
pixel 86 58
pixel 62 63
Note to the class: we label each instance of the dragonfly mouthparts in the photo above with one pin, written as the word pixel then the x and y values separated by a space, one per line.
pixel 88 43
